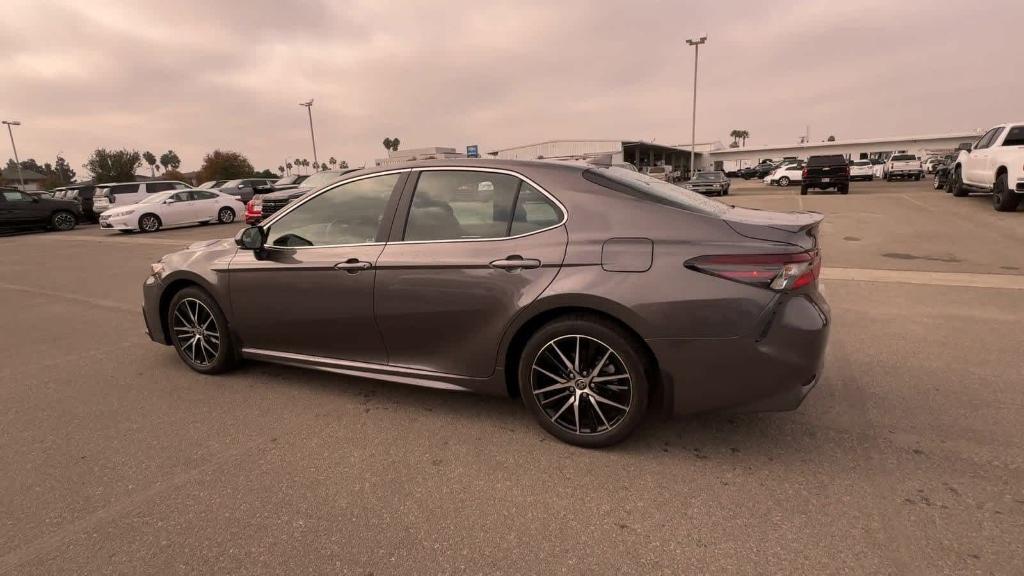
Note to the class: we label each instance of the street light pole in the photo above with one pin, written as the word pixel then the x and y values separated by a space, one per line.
pixel 695 42
pixel 309 108
pixel 15 148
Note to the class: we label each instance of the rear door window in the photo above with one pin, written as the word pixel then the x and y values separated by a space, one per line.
pixel 154 187
pixel 461 205
pixel 1015 137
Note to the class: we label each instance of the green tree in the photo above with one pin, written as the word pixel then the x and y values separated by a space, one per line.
pixel 831 138
pixel 333 162
pixel 305 163
pixel 113 165
pixel 395 143
pixel 738 135
pixel 316 166
pixel 387 143
pixel 298 164
pixel 151 160
pixel 267 173
pixel 170 160
pixel 224 165
pixel 64 172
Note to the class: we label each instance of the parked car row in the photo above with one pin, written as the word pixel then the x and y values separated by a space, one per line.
pixel 23 211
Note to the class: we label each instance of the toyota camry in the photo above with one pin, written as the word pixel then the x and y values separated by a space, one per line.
pixel 595 294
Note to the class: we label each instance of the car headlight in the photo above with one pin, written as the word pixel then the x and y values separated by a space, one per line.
pixel 157 268
pixel 124 213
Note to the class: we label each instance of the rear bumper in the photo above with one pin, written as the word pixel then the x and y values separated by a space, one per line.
pixel 771 371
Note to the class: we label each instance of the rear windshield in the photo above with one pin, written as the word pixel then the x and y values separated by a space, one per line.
pixel 826 160
pixel 1015 137
pixel 656 170
pixel 902 157
pixel 709 176
pixel 643 186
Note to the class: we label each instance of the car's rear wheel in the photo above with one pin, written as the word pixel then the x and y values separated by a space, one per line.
pixel 199 332
pixel 226 216
pixel 62 221
pixel 936 183
pixel 149 223
pixel 803 190
pixel 784 181
pixel 584 379
pixel 843 188
pixel 958 185
pixel 1004 199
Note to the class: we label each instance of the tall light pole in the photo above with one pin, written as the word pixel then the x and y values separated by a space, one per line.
pixel 309 108
pixel 16 161
pixel 695 42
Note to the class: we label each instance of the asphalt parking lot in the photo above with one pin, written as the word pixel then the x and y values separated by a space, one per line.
pixel 907 459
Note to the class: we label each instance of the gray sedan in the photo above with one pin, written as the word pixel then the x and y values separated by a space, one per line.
pixel 596 294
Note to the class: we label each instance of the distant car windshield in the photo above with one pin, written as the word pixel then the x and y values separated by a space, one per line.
pixel 902 157
pixel 656 170
pixel 709 176
pixel 1015 137
pixel 831 160
pixel 642 185
pixel 212 184
pixel 231 184
pixel 157 198
pixel 860 163
pixel 320 179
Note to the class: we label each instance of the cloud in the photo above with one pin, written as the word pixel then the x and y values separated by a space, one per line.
pixel 198 75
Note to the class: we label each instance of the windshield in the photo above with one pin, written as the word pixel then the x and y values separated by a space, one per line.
pixel 321 179
pixel 1015 137
pixel 642 185
pixel 156 198
pixel 708 176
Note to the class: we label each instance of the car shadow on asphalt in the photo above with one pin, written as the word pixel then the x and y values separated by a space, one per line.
pixel 699 437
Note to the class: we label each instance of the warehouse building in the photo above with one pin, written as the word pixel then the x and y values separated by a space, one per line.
pixel 637 152
pixel 861 149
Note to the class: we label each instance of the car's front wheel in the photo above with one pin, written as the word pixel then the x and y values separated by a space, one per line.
pixel 199 332
pixel 958 185
pixel 149 223
pixel 936 183
pixel 584 379
pixel 62 221
pixel 784 181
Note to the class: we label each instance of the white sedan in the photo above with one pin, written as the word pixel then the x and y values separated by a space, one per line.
pixel 785 175
pixel 174 208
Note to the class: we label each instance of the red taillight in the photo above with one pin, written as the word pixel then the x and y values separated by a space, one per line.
pixel 804 173
pixel 254 206
pixel 780 272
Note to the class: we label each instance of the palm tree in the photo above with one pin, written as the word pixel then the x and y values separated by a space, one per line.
pixel 387 143
pixel 305 163
pixel 288 167
pixel 281 170
pixel 343 164
pixel 735 135
pixel 744 134
pixel 333 162
pixel 395 143
pixel 298 162
pixel 151 160
pixel 316 166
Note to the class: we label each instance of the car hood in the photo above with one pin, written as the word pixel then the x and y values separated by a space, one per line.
pixel 215 244
pixel 288 194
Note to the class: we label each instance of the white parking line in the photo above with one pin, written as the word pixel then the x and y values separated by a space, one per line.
pixel 68 296
pixel 1005 281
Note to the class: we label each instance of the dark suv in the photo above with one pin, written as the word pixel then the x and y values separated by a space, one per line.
pixel 824 172
pixel 19 210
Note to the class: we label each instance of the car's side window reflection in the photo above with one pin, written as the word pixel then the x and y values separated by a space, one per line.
pixel 348 214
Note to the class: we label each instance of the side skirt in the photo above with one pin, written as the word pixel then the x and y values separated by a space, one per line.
pixel 410 376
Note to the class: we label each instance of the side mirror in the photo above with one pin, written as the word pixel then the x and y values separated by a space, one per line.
pixel 170 201
pixel 966 146
pixel 240 186
pixel 251 238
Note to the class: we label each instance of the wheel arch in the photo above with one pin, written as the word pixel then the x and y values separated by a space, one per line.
pixel 176 283
pixel 542 312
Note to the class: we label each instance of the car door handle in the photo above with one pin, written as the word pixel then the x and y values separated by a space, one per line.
pixel 352 265
pixel 511 263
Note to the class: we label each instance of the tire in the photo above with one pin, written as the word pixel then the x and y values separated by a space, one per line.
pixel 62 221
pixel 803 190
pixel 193 309
pixel 602 421
pixel 225 215
pixel 725 192
pixel 843 189
pixel 1004 199
pixel 958 185
pixel 936 183
pixel 871 178
pixel 149 223
pixel 784 181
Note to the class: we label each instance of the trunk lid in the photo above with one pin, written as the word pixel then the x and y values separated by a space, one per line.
pixel 795 228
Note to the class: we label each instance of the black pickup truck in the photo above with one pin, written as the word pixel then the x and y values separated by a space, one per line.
pixel 824 172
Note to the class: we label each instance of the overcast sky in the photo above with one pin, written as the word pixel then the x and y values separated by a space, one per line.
pixel 196 75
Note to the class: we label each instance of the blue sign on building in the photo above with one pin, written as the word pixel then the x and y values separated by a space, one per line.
pixel 472 151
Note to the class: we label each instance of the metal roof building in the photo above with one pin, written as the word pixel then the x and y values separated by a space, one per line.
pixel 853 149
pixel 637 152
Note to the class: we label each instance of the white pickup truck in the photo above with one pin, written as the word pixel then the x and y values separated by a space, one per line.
pixel 903 166
pixel 994 164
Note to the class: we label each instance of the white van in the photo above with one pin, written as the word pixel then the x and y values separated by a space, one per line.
pixel 124 193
